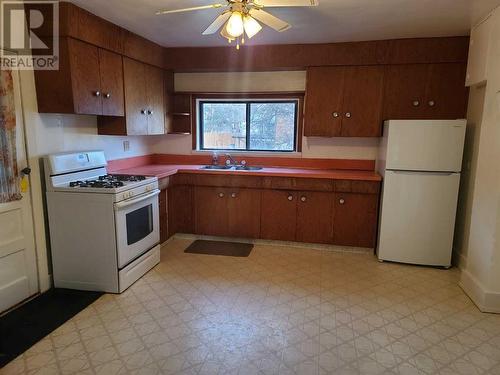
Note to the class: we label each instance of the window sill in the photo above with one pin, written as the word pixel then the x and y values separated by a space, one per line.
pixel 277 154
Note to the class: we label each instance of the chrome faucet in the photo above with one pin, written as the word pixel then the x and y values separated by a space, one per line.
pixel 230 161
pixel 215 158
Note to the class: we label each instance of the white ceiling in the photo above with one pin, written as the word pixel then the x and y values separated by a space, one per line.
pixel 331 21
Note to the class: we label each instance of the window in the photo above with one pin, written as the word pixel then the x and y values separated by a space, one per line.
pixel 248 125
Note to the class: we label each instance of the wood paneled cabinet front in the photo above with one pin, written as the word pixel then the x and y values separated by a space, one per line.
pixel 89 81
pixel 231 212
pixel 144 102
pixel 425 91
pixel 344 101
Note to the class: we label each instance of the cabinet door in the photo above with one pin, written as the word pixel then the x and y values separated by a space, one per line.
pixel 324 94
pixel 155 100
pixel 315 217
pixel 86 82
pixel 278 219
pixel 135 97
pixel 363 100
pixel 355 219
pixel 211 211
pixel 244 213
pixel 180 210
pixel 111 72
pixel 447 95
pixel 405 91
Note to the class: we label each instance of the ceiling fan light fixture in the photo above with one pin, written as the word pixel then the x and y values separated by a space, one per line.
pixel 234 26
pixel 225 34
pixel 251 26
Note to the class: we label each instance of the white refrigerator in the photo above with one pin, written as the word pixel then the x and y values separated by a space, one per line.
pixel 420 162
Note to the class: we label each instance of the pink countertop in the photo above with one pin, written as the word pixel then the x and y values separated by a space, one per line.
pixel 165 170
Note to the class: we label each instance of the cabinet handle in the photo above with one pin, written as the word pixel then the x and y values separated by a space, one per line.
pixel 143 111
pixel 290 198
pixel 432 103
pixel 416 103
pixel 97 93
pixel 348 115
pixel 150 112
pixel 233 195
pixel 303 199
pixel 341 200
pixel 221 195
pixel 335 114
pixel 107 95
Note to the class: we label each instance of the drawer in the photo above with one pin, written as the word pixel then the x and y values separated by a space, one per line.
pixel 311 184
pixel 228 181
pixel 354 186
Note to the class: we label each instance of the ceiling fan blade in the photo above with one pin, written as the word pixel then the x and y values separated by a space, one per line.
pixel 269 20
pixel 217 24
pixel 190 9
pixel 285 3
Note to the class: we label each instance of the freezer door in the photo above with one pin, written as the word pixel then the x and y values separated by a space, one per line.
pixel 425 145
pixel 418 217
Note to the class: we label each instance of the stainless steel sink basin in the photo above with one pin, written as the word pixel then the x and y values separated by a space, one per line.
pixel 216 167
pixel 247 168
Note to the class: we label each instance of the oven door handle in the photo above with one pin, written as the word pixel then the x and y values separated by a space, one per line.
pixel 130 202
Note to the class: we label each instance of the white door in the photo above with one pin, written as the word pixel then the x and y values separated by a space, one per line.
pixel 418 217
pixel 431 145
pixel 18 269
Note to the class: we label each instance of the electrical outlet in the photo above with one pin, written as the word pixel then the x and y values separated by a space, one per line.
pixel 126 146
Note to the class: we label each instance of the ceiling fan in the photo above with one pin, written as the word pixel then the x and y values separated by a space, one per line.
pixel 241 17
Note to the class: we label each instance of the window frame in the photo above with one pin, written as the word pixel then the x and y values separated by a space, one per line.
pixel 248 99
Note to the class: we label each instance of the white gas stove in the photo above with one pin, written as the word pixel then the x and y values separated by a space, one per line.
pixel 104 228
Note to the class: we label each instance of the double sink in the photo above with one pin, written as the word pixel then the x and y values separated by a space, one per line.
pixel 232 167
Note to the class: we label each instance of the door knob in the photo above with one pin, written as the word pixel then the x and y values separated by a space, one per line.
pixel 341 200
pixel 303 199
pixel 416 103
pixel 335 114
pixel 221 195
pixel 348 115
pixel 432 103
pixel 107 95
pixel 290 198
pixel 97 93
pixel 233 195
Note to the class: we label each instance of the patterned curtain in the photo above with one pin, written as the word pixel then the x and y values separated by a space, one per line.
pixel 9 174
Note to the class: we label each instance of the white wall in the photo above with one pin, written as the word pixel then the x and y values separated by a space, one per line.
pixel 481 277
pixel 289 81
pixel 50 133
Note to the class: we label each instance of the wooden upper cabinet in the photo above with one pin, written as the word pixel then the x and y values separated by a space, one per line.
pixel 85 75
pixel 405 90
pixel 111 73
pixel 425 91
pixel 363 99
pixel 344 101
pixel 144 102
pixel 324 96
pixel 135 98
pixel 446 95
pixel 155 100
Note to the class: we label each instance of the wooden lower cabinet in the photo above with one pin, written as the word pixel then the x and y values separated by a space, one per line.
pixel 180 209
pixel 315 217
pixel 162 203
pixel 355 219
pixel 227 212
pixel 278 216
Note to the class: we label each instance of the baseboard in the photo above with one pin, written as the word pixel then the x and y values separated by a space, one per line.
pixel 485 300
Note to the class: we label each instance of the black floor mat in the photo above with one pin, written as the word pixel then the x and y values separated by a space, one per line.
pixel 23 327
pixel 232 249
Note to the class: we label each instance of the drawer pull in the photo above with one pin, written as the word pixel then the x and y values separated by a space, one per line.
pixel 303 199
pixel 335 114
pixel 432 103
pixel 221 195
pixel 416 103
pixel 348 115
pixel 233 195
pixel 290 198
pixel 341 200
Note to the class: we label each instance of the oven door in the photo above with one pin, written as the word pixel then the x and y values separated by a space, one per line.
pixel 137 226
